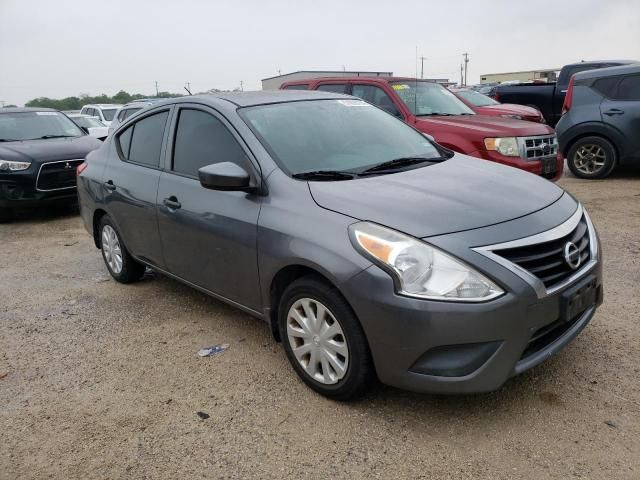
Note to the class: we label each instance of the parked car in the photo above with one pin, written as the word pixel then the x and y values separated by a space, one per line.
pixel 90 125
pixel 129 109
pixel 434 110
pixel 484 105
pixel 548 97
pixel 39 151
pixel 369 250
pixel 103 112
pixel 600 128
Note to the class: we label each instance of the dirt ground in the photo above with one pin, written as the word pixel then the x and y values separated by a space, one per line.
pixel 102 380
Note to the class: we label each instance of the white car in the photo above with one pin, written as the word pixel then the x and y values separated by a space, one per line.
pixel 91 125
pixel 129 109
pixel 103 112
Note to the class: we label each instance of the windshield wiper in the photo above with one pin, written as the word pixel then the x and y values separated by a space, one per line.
pixel 44 137
pixel 395 164
pixel 435 114
pixel 9 140
pixel 324 175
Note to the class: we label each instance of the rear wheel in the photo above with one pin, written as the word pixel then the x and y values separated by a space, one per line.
pixel 119 262
pixel 324 341
pixel 592 158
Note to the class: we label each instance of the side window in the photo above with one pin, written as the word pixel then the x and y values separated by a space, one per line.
pixel 84 110
pixel 376 96
pixel 129 112
pixel 303 86
pixel 142 141
pixel 629 88
pixel 607 86
pixel 120 116
pixel 201 139
pixel 333 87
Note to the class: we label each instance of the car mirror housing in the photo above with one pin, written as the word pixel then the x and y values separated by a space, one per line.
pixel 224 176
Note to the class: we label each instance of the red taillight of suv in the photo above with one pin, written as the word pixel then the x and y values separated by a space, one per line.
pixel 568 98
pixel 81 168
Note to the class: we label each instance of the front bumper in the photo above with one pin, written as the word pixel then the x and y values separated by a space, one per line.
pixel 533 166
pixel 18 190
pixel 449 347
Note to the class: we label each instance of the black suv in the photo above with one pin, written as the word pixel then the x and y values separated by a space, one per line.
pixel 40 149
pixel 601 120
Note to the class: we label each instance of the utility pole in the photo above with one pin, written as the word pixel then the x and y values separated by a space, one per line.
pixel 466 62
pixel 422 59
pixel 241 86
pixel 461 75
pixel 157 93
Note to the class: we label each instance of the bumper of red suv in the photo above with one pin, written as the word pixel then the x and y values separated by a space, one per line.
pixel 533 166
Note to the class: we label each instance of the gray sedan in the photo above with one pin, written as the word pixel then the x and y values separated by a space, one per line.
pixel 370 251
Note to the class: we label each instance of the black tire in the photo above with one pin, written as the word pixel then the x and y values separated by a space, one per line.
pixel 131 270
pixel 360 373
pixel 605 150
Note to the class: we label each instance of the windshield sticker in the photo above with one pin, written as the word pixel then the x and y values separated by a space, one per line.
pixel 46 113
pixel 401 86
pixel 354 103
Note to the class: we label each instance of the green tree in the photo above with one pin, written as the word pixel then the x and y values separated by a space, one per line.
pixel 75 103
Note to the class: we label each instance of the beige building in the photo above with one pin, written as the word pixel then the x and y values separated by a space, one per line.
pixel 547 75
pixel 273 83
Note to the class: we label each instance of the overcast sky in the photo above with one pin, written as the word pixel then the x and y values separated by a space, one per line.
pixel 59 48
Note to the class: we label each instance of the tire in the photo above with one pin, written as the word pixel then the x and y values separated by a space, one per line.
pixel 592 158
pixel 119 262
pixel 346 343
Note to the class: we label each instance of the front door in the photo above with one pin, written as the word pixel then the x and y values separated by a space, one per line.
pixel 208 237
pixel 622 112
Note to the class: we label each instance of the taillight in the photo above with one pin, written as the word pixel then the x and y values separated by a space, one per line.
pixel 496 96
pixel 568 98
pixel 82 167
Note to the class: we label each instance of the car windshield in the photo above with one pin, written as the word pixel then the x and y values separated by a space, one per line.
pixel 33 125
pixel 108 113
pixel 476 98
pixel 428 98
pixel 334 135
pixel 87 122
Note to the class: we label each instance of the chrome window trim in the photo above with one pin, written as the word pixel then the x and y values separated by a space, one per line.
pixel 553 234
pixel 48 163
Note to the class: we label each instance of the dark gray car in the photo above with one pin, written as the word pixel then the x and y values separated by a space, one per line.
pixel 369 250
pixel 600 128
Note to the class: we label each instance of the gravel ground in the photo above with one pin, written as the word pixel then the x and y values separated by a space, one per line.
pixel 102 380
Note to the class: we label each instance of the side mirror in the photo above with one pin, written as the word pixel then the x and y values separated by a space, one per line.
pixel 224 176
pixel 85 130
pixel 429 137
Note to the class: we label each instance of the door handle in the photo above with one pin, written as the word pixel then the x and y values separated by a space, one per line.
pixel 109 185
pixel 172 203
pixel 614 111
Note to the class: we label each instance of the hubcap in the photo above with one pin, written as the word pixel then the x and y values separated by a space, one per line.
pixel 111 249
pixel 589 159
pixel 317 341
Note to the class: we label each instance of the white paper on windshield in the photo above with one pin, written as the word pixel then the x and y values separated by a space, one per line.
pixel 46 113
pixel 354 103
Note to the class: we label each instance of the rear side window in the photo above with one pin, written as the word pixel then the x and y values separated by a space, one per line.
pixel 607 86
pixel 142 141
pixel 303 86
pixel 629 88
pixel 333 87
pixel 201 139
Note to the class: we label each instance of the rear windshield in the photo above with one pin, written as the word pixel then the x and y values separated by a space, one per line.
pixel 87 122
pixel 108 113
pixel 476 99
pixel 343 135
pixel 428 98
pixel 34 125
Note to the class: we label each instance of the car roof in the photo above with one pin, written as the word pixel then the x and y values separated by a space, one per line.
pixel 261 97
pixel 26 109
pixel 79 115
pixel 144 101
pixel 608 72
pixel 356 78
pixel 103 105
pixel 600 62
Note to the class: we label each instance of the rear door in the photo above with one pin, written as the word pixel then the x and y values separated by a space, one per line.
pixel 209 237
pixel 131 184
pixel 621 110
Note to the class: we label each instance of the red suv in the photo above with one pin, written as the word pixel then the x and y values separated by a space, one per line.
pixel 434 110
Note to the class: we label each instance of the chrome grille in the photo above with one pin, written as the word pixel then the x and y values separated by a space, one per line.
pixel 60 175
pixel 533 148
pixel 546 261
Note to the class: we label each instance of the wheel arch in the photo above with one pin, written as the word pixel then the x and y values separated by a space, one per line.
pixel 590 130
pixel 97 216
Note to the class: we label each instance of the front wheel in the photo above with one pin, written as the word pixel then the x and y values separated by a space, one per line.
pixel 324 341
pixel 592 158
pixel 119 262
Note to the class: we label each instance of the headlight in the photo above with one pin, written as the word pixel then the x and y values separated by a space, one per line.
pixel 13 166
pixel 421 270
pixel 507 146
pixel 517 117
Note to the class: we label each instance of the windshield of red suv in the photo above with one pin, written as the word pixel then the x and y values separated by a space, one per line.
pixel 338 135
pixel 476 99
pixel 36 125
pixel 428 98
